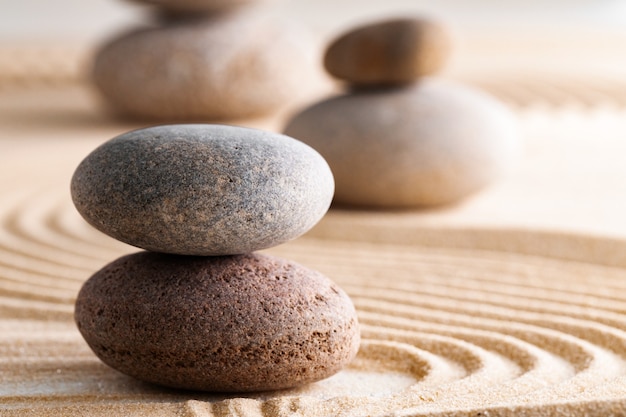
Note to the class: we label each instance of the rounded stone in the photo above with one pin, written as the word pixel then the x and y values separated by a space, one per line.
pixel 431 144
pixel 202 189
pixel 198 6
pixel 225 66
pixel 230 324
pixel 389 52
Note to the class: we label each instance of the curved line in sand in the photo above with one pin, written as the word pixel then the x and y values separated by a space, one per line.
pixel 453 322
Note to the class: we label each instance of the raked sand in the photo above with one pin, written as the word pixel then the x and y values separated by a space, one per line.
pixel 510 304
pixel 481 318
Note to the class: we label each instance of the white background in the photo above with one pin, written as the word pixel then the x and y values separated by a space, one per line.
pixel 86 20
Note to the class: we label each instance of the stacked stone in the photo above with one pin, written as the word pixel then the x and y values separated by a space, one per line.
pixel 206 60
pixel 401 138
pixel 201 309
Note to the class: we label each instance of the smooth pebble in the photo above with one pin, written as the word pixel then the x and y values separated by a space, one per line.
pixel 430 144
pixel 202 189
pixel 229 324
pixel 390 52
pixel 226 66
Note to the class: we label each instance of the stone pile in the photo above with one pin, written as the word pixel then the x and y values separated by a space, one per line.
pixel 206 60
pixel 400 137
pixel 201 309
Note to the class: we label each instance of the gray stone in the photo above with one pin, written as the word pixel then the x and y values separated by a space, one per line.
pixel 394 51
pixel 226 66
pixel 202 189
pixel 430 144
pixel 231 324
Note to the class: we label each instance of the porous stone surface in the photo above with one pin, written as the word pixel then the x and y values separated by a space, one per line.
pixel 202 189
pixel 231 324
pixel 224 66
pixel 390 52
pixel 430 144
pixel 195 6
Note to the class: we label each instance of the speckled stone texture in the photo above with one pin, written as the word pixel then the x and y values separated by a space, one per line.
pixel 225 66
pixel 203 189
pixel 236 323
pixel 389 52
pixel 431 144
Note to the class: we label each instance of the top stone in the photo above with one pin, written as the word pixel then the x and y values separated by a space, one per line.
pixel 203 189
pixel 391 52
pixel 195 6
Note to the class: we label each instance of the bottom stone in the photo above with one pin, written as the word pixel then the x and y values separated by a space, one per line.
pixel 225 324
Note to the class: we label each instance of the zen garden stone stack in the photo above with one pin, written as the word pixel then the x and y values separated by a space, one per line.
pixel 206 60
pixel 401 138
pixel 201 309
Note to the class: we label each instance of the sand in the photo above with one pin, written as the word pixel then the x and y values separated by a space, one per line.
pixel 511 304
pixel 450 326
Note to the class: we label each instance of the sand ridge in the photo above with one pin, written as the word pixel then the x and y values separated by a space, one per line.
pixel 451 327
pixel 464 312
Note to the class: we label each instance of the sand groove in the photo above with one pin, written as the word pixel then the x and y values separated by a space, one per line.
pixel 446 330
pixel 554 91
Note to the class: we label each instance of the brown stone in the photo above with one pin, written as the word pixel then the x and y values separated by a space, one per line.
pixel 226 66
pixel 229 324
pixel 396 51
pixel 196 6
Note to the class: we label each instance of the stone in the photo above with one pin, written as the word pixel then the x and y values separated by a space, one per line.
pixel 390 52
pixel 227 324
pixel 431 144
pixel 226 66
pixel 198 6
pixel 202 189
